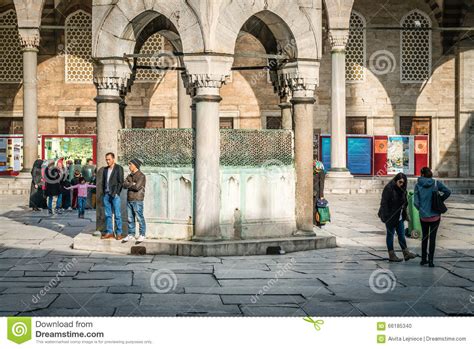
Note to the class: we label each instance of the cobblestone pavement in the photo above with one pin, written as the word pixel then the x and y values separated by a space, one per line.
pixel 41 275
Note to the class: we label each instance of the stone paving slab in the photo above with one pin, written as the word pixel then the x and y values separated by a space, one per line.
pixel 398 308
pixel 23 302
pixel 98 299
pixel 315 307
pixel 252 310
pixel 331 282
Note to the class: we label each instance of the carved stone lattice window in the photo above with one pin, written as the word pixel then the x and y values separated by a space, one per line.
pixel 415 60
pixel 355 49
pixel 79 67
pixel 154 45
pixel 11 61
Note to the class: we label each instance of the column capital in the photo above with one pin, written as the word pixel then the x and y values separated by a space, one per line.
pixel 207 71
pixel 338 39
pixel 29 38
pixel 299 78
pixel 112 77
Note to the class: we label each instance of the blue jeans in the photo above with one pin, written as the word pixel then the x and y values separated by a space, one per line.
pixel 58 202
pixel 135 213
pixel 112 206
pixel 81 205
pixel 400 229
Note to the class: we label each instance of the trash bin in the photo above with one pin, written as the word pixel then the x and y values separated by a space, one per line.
pixel 414 225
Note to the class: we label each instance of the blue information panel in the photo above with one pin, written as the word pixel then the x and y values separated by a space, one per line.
pixel 326 152
pixel 359 155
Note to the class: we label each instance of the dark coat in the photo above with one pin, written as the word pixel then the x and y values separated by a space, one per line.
pixel 115 181
pixel 135 183
pixel 54 181
pixel 394 200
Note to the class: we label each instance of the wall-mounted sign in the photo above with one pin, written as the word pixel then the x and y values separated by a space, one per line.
pixel 401 155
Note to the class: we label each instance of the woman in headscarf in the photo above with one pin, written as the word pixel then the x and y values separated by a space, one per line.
pixel 37 200
pixel 393 212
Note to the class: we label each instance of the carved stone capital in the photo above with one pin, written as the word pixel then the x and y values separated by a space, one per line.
pixel 112 77
pixel 299 76
pixel 206 71
pixel 206 80
pixel 29 38
pixel 338 39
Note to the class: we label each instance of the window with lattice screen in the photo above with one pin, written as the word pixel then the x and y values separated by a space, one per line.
pixel 11 60
pixel 154 45
pixel 78 33
pixel 355 49
pixel 415 52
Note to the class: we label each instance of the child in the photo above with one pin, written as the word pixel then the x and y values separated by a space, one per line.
pixel 81 194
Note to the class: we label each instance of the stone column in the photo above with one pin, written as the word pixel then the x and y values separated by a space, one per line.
pixel 286 113
pixel 207 169
pixel 303 105
pixel 111 80
pixel 205 76
pixel 302 78
pixel 338 40
pixel 184 105
pixel 30 42
pixel 465 107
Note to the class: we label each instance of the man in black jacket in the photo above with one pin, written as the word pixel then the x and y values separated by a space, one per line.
pixel 112 182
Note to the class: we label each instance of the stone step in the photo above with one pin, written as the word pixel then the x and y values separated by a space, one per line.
pixel 88 242
pixel 375 185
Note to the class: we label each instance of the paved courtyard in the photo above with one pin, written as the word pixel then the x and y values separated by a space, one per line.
pixel 41 275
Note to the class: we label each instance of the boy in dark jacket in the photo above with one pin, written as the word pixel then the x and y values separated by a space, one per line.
pixel 135 183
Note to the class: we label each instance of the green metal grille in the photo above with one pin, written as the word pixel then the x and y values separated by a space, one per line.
pixel 175 147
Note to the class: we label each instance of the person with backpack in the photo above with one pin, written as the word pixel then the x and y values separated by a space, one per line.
pixel 393 212
pixel 429 199
pixel 322 214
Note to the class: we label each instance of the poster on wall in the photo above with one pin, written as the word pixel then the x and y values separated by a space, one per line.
pixel 401 155
pixel 3 155
pixel 359 155
pixel 68 148
pixel 17 145
pixel 326 152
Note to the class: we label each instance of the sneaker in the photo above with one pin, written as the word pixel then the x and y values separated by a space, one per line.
pixel 107 236
pixel 119 237
pixel 127 238
pixel 59 211
pixel 140 239
pixel 50 212
pixel 69 208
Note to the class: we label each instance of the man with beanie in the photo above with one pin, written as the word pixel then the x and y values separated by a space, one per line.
pixel 135 183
